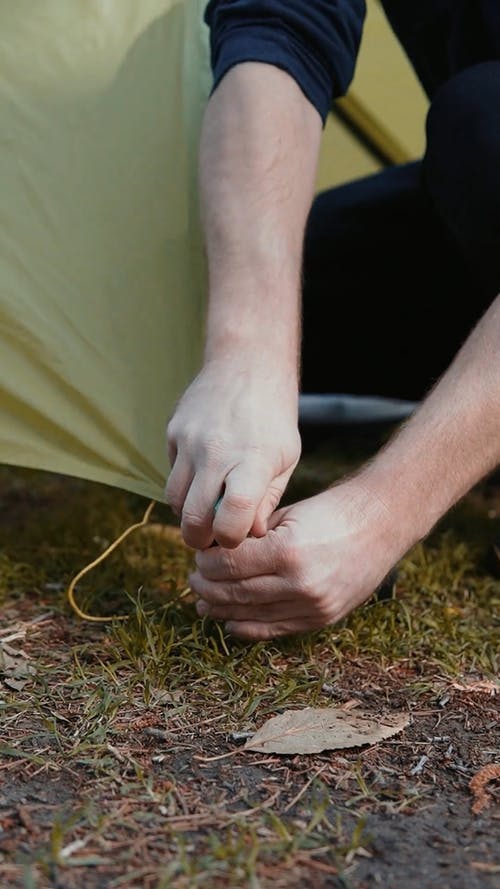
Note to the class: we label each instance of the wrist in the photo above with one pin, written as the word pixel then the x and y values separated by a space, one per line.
pixel 262 332
pixel 246 366
pixel 375 499
pixel 411 508
pixel 272 359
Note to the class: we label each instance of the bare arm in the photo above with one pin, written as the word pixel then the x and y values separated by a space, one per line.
pixel 236 427
pixel 258 159
pixel 451 442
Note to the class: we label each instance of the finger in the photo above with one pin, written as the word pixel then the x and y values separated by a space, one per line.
pixel 254 557
pixel 178 484
pixel 269 503
pixel 277 519
pixel 171 444
pixel 257 612
pixel 256 590
pixel 198 512
pixel 244 489
pixel 255 631
pixel 171 451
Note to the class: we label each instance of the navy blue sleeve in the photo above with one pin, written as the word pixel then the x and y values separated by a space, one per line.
pixel 315 41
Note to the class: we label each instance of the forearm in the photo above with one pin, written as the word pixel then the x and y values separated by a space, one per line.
pixel 258 157
pixel 450 443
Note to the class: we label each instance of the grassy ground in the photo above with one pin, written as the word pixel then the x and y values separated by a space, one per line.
pixel 121 760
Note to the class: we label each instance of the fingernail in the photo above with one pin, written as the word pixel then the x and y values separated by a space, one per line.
pixel 202 608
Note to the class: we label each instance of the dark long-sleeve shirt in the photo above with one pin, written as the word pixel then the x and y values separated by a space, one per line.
pixel 317 41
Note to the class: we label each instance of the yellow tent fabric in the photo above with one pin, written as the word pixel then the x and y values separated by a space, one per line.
pixel 101 263
pixel 101 259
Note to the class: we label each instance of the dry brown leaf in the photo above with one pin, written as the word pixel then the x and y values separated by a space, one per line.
pixel 7 662
pixel 14 684
pixel 478 785
pixel 14 667
pixel 329 728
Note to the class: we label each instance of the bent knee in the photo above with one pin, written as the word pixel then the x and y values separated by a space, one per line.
pixel 462 160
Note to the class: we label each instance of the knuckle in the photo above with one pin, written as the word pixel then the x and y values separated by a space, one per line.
pixel 209 451
pixel 274 496
pixel 275 631
pixel 229 534
pixel 324 610
pixel 238 596
pixel 214 447
pixel 227 564
pixel 228 541
pixel 172 432
pixel 310 592
pixel 292 556
pixel 239 502
pixel 295 446
pixel 324 606
pixel 281 559
pixel 192 520
pixel 248 632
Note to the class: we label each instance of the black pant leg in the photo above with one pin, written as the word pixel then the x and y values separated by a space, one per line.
pixel 462 165
pixel 388 294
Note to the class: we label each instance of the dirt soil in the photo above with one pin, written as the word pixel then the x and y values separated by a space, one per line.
pixel 122 764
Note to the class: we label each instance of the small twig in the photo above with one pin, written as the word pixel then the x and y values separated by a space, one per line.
pixel 115 752
pixel 315 865
pixel 180 800
pixel 305 788
pixel 265 805
pixel 214 758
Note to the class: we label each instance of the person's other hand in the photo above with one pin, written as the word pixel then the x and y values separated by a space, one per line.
pixel 235 433
pixel 320 559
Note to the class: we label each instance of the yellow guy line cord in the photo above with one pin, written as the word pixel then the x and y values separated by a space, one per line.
pixel 101 558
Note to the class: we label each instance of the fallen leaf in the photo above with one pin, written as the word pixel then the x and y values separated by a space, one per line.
pixel 14 667
pixel 15 684
pixel 7 663
pixel 478 784
pixel 315 729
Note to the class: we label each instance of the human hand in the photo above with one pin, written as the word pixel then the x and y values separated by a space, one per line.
pixel 320 559
pixel 234 433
